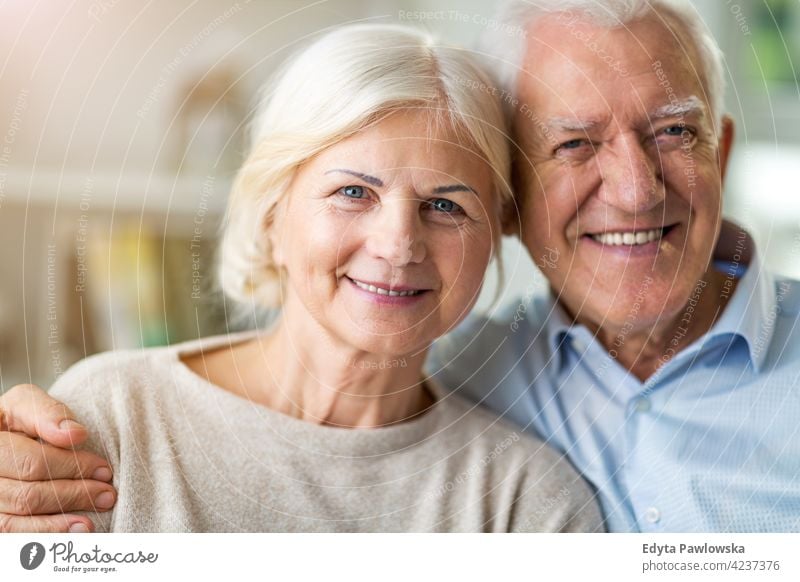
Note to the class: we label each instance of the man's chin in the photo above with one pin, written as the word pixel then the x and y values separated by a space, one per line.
pixel 634 302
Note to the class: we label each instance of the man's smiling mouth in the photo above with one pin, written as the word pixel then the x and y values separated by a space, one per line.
pixel 631 237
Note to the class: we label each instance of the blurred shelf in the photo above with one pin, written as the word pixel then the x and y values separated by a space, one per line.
pixel 149 192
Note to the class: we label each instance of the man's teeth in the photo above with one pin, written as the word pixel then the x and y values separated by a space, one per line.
pixel 629 238
pixel 381 291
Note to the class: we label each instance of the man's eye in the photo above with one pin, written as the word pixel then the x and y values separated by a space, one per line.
pixel 444 205
pixel 572 144
pixel 574 149
pixel 353 191
pixel 675 130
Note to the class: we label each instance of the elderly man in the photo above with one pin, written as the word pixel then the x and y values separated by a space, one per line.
pixel 665 362
pixel 670 377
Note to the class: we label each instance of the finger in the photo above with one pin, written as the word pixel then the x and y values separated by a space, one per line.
pixel 45 524
pixel 59 496
pixel 29 409
pixel 26 459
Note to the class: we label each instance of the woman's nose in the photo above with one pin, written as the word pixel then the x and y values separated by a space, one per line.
pixel 395 233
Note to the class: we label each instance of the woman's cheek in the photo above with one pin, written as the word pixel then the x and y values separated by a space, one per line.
pixel 323 229
pixel 309 246
pixel 461 260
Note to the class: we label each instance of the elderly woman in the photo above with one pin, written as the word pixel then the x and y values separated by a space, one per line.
pixel 368 210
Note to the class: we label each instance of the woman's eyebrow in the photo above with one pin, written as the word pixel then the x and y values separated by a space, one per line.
pixel 366 177
pixel 378 182
pixel 454 188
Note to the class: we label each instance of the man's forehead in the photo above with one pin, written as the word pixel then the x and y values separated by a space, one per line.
pixel 563 42
pixel 581 74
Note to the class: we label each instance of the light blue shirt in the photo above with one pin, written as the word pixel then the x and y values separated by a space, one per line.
pixel 710 443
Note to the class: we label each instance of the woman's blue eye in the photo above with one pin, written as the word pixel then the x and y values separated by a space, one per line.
pixel 352 191
pixel 444 205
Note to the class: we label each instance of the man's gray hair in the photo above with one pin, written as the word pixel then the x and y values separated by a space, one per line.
pixel 506 50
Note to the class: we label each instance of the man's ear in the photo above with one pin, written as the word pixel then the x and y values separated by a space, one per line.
pixel 725 145
pixel 510 220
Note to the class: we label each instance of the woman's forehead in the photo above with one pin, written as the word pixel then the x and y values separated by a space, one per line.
pixel 415 135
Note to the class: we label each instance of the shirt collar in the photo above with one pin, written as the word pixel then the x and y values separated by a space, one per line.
pixel 749 313
pixel 558 328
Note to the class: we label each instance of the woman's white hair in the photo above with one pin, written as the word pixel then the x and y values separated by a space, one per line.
pixel 507 43
pixel 345 81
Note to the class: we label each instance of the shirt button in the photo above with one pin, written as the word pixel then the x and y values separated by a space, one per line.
pixel 578 345
pixel 652 515
pixel 642 404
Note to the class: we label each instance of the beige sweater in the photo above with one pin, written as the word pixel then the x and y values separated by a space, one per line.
pixel 190 456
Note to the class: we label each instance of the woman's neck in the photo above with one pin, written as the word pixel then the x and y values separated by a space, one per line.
pixel 300 369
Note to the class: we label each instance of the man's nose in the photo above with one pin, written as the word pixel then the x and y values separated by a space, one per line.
pixel 630 177
pixel 394 235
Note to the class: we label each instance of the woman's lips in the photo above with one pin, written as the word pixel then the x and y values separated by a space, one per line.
pixel 382 293
pixel 386 289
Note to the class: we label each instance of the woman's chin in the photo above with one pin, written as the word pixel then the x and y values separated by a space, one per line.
pixel 393 329
pixel 389 344
pixel 399 328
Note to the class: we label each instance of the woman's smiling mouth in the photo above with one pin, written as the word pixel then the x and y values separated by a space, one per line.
pixel 383 291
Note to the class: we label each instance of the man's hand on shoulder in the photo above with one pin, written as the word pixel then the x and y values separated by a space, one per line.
pixel 42 476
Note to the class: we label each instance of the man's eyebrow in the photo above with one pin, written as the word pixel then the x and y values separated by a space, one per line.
pixel 454 188
pixel 572 123
pixel 366 177
pixel 679 108
pixel 685 107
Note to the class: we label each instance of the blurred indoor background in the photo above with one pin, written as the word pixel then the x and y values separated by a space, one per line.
pixel 122 124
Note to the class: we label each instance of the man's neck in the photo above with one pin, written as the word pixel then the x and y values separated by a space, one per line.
pixel 646 350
